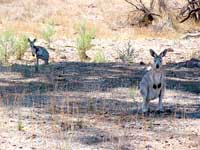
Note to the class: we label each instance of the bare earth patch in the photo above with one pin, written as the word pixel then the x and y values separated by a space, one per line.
pixel 73 105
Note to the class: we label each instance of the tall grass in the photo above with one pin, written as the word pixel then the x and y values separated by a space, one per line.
pixel 7 43
pixel 48 32
pixel 83 40
pixel 99 57
pixel 21 46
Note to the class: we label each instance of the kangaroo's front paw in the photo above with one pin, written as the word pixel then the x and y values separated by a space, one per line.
pixel 160 110
pixel 145 110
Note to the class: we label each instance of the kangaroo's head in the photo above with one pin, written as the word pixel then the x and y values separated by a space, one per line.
pixel 158 58
pixel 32 45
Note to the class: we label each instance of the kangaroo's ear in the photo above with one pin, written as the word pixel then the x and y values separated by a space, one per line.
pixel 34 40
pixel 163 53
pixel 29 40
pixel 153 54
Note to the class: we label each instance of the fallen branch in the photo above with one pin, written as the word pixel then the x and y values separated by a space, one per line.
pixel 189 35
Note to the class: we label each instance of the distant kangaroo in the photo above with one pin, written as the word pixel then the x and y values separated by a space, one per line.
pixel 152 85
pixel 40 52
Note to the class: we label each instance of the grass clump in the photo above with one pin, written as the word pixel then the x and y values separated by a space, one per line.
pixel 11 44
pixel 20 126
pixel 133 92
pixel 7 44
pixel 83 40
pixel 21 46
pixel 48 32
pixel 127 54
pixel 99 57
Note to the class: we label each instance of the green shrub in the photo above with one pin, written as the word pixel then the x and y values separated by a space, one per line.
pixel 99 57
pixel 7 43
pixel 21 46
pixel 48 32
pixel 83 40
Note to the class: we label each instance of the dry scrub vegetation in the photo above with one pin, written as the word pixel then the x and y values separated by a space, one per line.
pixel 110 18
pixel 87 97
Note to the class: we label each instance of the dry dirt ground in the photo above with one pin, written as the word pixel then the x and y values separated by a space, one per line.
pixel 88 106
pixel 70 105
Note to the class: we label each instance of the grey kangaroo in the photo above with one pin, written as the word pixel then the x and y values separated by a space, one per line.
pixel 40 52
pixel 152 85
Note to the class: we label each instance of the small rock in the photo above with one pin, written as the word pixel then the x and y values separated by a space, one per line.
pixel 63 57
pixel 148 146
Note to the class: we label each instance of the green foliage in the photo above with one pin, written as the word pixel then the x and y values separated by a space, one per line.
pixel 21 46
pixel 99 57
pixel 133 92
pixel 127 54
pixel 48 32
pixel 83 40
pixel 11 44
pixel 7 43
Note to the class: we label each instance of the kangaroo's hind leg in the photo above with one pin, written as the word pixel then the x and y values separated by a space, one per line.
pixel 144 92
pixel 46 61
pixel 160 104
pixel 37 65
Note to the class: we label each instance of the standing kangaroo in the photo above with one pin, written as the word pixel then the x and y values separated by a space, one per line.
pixel 40 52
pixel 152 85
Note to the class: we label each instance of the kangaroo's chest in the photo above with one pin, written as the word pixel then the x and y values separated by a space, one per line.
pixel 39 52
pixel 155 85
pixel 156 81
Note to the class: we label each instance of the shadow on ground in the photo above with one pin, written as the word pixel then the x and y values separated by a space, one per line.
pixel 87 77
pixel 90 77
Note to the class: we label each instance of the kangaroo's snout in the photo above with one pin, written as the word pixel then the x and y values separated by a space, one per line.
pixel 157 62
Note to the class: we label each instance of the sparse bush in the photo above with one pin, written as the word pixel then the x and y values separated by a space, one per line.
pixel 21 46
pixel 83 41
pixel 7 43
pixel 48 32
pixel 127 54
pixel 99 57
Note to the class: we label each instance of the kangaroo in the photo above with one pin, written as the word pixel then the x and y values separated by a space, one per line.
pixel 152 85
pixel 40 52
